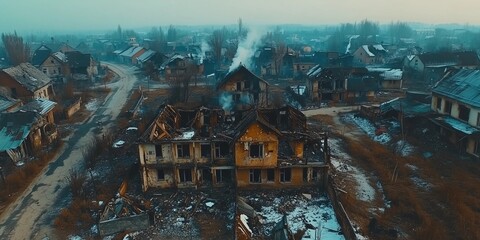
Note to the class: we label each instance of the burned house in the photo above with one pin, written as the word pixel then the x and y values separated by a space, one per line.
pixel 240 88
pixel 338 84
pixel 456 100
pixel 26 82
pixel 256 147
pixel 181 68
pixel 182 148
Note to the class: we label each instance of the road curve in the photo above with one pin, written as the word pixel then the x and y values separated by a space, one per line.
pixel 32 215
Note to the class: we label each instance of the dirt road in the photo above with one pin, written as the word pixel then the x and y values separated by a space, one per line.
pixel 33 214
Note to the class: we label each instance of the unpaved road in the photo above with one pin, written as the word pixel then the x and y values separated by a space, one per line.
pixel 33 214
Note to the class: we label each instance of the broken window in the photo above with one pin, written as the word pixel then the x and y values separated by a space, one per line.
pixel 463 112
pixel 239 86
pixel 185 175
pixel 439 103
pixel 271 175
pixel 315 175
pixel 223 175
pixel 160 174
pixel 255 176
pixel 448 107
pixel 205 150
pixel 478 119
pixel 221 149
pixel 305 174
pixel 183 150
pixel 158 151
pixel 256 150
pixel 246 84
pixel 285 175
pixel 477 147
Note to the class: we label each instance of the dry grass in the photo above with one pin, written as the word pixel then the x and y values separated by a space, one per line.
pixel 18 180
pixel 449 210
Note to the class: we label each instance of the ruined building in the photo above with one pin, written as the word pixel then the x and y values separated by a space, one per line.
pixel 253 147
pixel 240 89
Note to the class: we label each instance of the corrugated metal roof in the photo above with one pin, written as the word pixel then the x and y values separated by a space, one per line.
pixel 463 86
pixel 146 55
pixel 6 102
pixel 14 128
pixel 41 106
pixel 131 51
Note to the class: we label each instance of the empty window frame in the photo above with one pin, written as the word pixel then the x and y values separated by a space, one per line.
pixel 185 175
pixel 255 176
pixel 223 175
pixel 158 151
pixel 160 174
pixel 256 150
pixel 448 107
pixel 271 175
pixel 221 149
pixel 463 113
pixel 285 175
pixel 206 150
pixel 183 150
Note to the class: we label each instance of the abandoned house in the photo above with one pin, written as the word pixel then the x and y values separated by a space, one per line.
pixel 181 68
pixel 240 89
pixel 428 68
pixel 20 134
pixel 54 65
pixel 390 78
pixel 8 104
pixel 130 55
pixel 370 54
pixel 255 147
pixel 81 66
pixel 456 100
pixel 26 82
pixel 350 85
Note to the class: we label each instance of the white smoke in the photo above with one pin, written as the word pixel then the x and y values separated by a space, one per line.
pixel 226 101
pixel 204 47
pixel 246 49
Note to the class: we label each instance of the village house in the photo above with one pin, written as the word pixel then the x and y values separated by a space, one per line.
pixel 390 78
pixel 429 68
pixel 252 148
pixel 241 88
pixel 130 55
pixel 340 84
pixel 26 82
pixel 370 54
pixel 53 64
pixel 81 66
pixel 456 99
pixel 8 104
pixel 20 134
pixel 180 67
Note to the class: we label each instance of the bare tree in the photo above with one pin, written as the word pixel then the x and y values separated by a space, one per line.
pixel 17 51
pixel 158 39
pixel 181 82
pixel 216 43
pixel 171 34
pixel 280 50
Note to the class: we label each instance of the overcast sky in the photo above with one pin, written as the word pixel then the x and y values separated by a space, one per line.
pixel 59 15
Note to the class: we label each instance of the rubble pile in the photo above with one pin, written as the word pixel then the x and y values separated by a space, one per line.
pixel 305 211
pixel 179 214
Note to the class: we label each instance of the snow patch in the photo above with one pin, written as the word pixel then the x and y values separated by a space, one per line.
pixel 92 105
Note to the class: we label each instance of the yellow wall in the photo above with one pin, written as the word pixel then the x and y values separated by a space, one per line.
pixel 256 134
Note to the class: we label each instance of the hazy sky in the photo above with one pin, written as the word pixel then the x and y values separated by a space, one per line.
pixel 52 15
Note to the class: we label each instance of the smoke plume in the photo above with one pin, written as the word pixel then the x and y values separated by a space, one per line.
pixel 246 49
